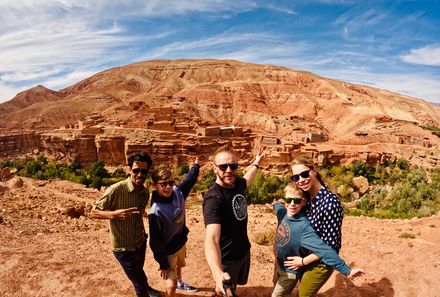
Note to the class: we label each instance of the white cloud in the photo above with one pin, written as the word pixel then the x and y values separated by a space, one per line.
pixel 42 40
pixel 427 55
pixel 66 80
pixel 354 21
pixel 415 85
pixel 171 7
pixel 7 92
pixel 418 86
pixel 207 45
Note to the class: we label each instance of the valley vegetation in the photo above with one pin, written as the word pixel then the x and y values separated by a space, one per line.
pixel 396 190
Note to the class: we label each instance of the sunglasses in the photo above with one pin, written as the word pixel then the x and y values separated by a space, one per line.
pixel 304 174
pixel 224 167
pixel 137 170
pixel 164 184
pixel 296 200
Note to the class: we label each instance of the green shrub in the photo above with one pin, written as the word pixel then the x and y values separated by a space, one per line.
pixel 205 181
pixel 96 182
pixel 398 190
pixel 98 169
pixel 119 173
pixel 359 168
pixel 407 235
pixel 183 169
pixel 265 189
pixel 108 181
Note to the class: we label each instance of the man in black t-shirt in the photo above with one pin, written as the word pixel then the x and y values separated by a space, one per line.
pixel 227 246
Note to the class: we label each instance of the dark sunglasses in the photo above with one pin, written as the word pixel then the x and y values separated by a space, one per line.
pixel 296 200
pixel 304 174
pixel 224 167
pixel 166 183
pixel 137 170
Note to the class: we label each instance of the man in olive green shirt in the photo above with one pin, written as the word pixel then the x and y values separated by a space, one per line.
pixel 123 204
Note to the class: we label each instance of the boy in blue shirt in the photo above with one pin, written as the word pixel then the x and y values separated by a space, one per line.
pixel 296 237
pixel 168 231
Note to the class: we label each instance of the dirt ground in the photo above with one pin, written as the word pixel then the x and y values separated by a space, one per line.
pixel 46 251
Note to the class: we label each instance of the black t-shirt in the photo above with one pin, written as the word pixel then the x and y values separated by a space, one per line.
pixel 228 207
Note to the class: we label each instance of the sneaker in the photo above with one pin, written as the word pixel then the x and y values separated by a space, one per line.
pixel 186 288
pixel 153 293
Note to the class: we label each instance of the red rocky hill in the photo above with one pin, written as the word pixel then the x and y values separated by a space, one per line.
pixel 288 110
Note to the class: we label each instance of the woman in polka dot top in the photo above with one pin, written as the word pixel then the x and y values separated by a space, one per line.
pixel 325 215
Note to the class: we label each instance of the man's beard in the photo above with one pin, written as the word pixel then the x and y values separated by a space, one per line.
pixel 229 183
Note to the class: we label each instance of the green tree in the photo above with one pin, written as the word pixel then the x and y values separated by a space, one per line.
pixel 98 169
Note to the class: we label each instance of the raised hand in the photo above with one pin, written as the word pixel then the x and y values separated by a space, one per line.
pixel 260 155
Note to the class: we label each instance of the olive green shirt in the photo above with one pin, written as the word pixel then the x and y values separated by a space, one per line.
pixel 128 234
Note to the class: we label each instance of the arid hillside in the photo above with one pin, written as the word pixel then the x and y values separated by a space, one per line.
pixel 197 104
pixel 49 247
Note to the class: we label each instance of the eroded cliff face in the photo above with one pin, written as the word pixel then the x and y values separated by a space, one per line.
pixel 111 150
pixel 19 144
pixel 168 108
pixel 181 148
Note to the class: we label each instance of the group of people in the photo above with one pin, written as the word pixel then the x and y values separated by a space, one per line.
pixel 307 242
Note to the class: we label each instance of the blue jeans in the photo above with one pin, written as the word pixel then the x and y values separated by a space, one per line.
pixel 133 265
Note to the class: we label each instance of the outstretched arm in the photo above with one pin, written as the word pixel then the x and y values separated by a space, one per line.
pixel 121 214
pixel 213 255
pixel 252 172
pixel 190 179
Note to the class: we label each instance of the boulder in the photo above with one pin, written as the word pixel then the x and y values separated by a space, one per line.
pixel 5 174
pixel 360 184
pixel 15 183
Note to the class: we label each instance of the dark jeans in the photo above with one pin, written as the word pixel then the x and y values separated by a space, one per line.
pixel 133 265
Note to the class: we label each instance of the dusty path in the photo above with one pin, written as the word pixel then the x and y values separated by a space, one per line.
pixel 44 252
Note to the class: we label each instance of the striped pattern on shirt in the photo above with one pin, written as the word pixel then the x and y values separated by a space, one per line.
pixel 129 234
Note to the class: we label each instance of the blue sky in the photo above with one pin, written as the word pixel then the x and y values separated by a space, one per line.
pixel 393 45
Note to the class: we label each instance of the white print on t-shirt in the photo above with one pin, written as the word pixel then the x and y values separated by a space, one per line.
pixel 239 207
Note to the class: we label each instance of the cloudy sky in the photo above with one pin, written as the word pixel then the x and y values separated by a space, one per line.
pixel 394 45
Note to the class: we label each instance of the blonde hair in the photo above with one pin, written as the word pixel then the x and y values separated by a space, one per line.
pixel 292 187
pixel 161 173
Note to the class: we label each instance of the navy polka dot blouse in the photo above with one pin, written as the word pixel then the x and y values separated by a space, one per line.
pixel 325 215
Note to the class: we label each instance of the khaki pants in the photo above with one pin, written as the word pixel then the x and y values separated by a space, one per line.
pixel 314 277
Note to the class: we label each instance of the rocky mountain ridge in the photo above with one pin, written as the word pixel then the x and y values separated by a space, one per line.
pixel 187 107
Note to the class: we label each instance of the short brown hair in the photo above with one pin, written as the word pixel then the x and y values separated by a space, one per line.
pixel 161 173
pixel 226 148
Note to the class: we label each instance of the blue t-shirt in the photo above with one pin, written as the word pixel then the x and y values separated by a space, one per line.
pixel 295 237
